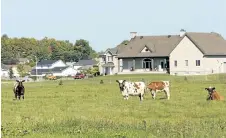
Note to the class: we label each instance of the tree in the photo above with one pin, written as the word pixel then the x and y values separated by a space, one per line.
pixel 10 72
pixel 20 69
pixel 125 42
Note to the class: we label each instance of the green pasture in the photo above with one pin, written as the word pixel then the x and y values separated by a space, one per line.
pixel 86 108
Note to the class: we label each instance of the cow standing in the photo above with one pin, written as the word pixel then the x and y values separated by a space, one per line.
pixel 213 94
pixel 156 87
pixel 19 89
pixel 131 89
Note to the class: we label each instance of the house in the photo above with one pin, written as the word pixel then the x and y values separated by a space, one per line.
pixel 54 67
pixel 187 53
pixel 198 54
pixel 4 71
pixel 108 61
pixel 85 64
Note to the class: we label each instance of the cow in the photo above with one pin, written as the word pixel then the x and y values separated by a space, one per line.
pixel 19 89
pixel 213 94
pixel 128 88
pixel 158 86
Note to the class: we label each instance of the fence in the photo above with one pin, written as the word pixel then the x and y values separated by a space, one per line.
pixel 215 78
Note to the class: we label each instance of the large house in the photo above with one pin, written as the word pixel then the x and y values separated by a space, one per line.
pixel 187 53
pixel 54 67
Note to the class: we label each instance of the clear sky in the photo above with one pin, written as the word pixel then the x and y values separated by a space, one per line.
pixel 105 23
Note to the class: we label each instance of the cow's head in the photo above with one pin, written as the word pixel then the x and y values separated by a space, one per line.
pixel 20 82
pixel 121 84
pixel 210 90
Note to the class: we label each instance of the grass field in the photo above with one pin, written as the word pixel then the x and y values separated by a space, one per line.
pixel 85 108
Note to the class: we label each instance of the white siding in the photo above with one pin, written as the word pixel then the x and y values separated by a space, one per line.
pixel 186 50
pixel 66 72
pixel 214 64
pixel 59 63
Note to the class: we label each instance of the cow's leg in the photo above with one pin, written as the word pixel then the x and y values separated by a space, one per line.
pixel 167 91
pixel 23 97
pixel 141 97
pixel 15 96
pixel 153 93
pixel 19 97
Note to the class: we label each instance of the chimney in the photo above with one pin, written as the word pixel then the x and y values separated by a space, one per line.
pixel 182 32
pixel 133 34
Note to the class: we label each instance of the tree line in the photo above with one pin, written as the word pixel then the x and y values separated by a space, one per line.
pixel 46 48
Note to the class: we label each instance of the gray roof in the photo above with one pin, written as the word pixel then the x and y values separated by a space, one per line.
pixel 85 62
pixel 116 50
pixel 46 62
pixel 23 59
pixel 4 67
pixel 209 43
pixel 86 67
pixel 45 71
pixel 162 46
pixel 109 64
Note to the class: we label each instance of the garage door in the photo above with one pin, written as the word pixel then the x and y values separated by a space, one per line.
pixel 225 67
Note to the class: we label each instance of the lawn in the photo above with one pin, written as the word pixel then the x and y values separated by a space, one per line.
pixel 86 108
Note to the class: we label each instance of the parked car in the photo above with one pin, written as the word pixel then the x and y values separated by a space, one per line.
pixel 79 76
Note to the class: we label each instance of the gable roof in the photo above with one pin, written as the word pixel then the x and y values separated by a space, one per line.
pixel 46 62
pixel 208 43
pixel 85 62
pixel 159 45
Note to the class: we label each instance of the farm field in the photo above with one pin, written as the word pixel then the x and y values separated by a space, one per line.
pixel 86 108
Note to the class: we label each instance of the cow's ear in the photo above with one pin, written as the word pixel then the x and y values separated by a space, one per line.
pixel 23 81
pixel 213 88
pixel 123 81
pixel 17 80
pixel 117 81
pixel 206 88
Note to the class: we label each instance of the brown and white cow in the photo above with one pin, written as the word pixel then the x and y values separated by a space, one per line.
pixel 213 94
pixel 159 86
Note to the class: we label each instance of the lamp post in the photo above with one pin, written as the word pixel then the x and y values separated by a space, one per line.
pixel 36 63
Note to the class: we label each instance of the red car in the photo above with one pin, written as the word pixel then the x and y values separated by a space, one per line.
pixel 79 76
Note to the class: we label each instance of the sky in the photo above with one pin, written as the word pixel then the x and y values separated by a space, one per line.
pixel 106 23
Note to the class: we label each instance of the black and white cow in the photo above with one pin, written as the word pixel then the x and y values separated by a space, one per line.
pixel 128 88
pixel 19 89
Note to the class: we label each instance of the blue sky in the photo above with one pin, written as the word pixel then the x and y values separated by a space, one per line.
pixel 105 23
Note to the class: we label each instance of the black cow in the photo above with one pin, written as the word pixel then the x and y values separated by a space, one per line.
pixel 19 89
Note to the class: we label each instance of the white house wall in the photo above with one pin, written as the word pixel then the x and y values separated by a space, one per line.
pixel 66 72
pixel 214 64
pixel 186 50
pixel 59 63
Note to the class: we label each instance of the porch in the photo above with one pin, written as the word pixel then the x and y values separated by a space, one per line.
pixel 152 65
pixel 108 68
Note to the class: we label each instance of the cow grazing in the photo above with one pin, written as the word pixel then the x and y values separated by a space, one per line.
pixel 158 86
pixel 19 89
pixel 213 94
pixel 128 88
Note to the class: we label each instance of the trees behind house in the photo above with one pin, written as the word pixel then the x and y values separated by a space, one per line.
pixel 46 48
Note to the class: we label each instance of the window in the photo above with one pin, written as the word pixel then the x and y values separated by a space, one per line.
pixel 104 59
pixel 186 62
pixel 197 62
pixel 175 63
pixel 110 58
